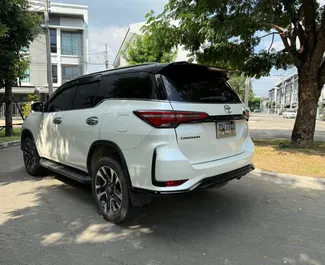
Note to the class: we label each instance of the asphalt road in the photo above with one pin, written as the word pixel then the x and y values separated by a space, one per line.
pixel 54 221
pixel 272 126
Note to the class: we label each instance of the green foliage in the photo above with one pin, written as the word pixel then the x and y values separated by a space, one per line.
pixel 238 83
pixel 27 109
pixel 18 28
pixel 226 33
pixel 254 104
pixel 142 50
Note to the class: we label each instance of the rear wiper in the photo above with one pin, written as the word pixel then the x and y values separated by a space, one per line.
pixel 214 98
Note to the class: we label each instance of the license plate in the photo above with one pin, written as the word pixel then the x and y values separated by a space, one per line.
pixel 226 129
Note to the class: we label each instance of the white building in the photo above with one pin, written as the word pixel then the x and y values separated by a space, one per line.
pixel 69 51
pixel 133 31
pixel 285 95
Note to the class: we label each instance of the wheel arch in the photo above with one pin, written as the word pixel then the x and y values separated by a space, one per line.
pixel 102 148
pixel 24 134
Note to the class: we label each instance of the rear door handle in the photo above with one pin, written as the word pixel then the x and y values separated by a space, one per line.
pixel 57 120
pixel 92 120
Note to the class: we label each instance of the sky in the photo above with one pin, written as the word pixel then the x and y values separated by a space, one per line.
pixel 109 21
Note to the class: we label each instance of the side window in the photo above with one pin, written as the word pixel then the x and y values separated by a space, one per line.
pixel 62 101
pixel 140 85
pixel 85 96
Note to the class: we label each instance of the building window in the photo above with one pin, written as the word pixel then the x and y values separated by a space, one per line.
pixel 25 49
pixel 71 43
pixel 53 40
pixel 26 78
pixel 55 73
pixel 70 72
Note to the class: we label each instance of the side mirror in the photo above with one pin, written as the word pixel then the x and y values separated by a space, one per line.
pixel 37 106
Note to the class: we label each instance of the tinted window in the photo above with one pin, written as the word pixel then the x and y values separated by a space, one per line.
pixel 85 96
pixel 53 40
pixel 131 86
pixel 194 84
pixel 62 101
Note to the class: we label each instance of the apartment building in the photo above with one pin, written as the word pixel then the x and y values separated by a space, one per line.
pixel 285 95
pixel 69 51
pixel 133 31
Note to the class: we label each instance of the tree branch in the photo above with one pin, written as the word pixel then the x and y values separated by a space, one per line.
pixel 309 8
pixel 278 28
pixel 271 43
pixel 302 38
pixel 272 33
pixel 320 41
pixel 291 50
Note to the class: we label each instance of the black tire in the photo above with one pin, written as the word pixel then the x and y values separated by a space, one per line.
pixel 114 202
pixel 31 158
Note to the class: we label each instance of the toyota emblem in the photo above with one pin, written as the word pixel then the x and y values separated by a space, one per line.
pixel 227 109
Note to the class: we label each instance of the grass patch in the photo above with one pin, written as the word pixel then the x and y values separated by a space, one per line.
pixel 297 161
pixel 17 133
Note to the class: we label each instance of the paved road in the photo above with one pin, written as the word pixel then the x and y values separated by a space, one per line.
pixel 54 221
pixel 274 126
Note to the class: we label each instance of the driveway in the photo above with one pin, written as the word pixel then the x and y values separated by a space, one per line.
pixel 53 221
pixel 272 126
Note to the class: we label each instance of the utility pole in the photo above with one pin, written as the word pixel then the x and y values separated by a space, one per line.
pixel 48 47
pixel 106 57
pixel 246 91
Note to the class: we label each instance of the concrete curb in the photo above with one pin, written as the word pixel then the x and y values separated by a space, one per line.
pixel 287 179
pixel 9 144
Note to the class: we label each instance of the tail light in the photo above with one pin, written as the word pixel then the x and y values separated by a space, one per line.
pixel 169 119
pixel 173 183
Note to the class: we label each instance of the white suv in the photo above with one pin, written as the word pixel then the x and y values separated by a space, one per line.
pixel 153 129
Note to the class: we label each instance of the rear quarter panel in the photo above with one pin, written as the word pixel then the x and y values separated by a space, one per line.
pixel 121 126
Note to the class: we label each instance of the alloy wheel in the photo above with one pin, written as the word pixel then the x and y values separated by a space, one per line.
pixel 108 190
pixel 29 154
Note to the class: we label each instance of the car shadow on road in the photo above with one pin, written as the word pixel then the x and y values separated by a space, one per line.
pixel 79 222
pixel 56 214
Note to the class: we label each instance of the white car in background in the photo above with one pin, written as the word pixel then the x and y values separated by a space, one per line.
pixel 290 114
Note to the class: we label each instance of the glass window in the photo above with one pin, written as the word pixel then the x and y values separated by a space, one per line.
pixel 138 85
pixel 53 40
pixel 85 96
pixel 70 72
pixel 25 49
pixel 26 78
pixel 62 101
pixel 55 73
pixel 71 43
pixel 198 84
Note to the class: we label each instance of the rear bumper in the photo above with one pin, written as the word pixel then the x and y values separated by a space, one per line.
pixel 207 182
pixel 149 170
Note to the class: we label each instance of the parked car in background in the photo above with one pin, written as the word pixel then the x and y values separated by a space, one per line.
pixel 289 114
pixel 133 132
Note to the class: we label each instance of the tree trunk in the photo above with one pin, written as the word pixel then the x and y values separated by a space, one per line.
pixel 308 97
pixel 8 111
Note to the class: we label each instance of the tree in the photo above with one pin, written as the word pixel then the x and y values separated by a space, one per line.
pixel 143 51
pixel 254 104
pixel 227 33
pixel 239 84
pixel 27 109
pixel 18 27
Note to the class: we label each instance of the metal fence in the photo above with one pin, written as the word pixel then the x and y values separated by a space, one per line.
pixel 15 111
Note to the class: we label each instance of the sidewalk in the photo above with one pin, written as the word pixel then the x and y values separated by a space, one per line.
pixel 280 134
pixel 14 121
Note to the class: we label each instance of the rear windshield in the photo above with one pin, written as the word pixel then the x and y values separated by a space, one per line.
pixel 199 87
